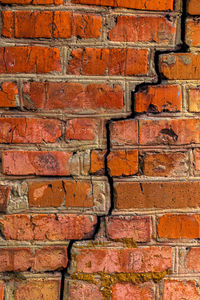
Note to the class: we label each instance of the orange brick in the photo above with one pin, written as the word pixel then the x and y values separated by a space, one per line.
pixel 193 7
pixel 179 226
pixel 134 4
pixel 172 164
pixel 123 162
pixel 78 194
pixel 87 26
pixel 158 98
pixel 192 32
pixel 8 24
pixel 8 94
pixel 194 99
pixel 29 60
pixel 93 61
pixel 143 29
pixel 97 162
pixel 180 65
pixel 140 195
pixel 34 2
pixel 46 289
pixel 197 159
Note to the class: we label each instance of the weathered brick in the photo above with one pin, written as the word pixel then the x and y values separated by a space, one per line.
pixel 33 59
pixel 32 2
pixel 78 194
pixel 52 163
pixel 72 96
pixel 109 260
pixel 135 4
pixel 180 65
pixel 81 129
pixel 143 29
pixel 49 24
pixel 125 291
pixel 93 61
pixel 173 226
pixel 4 197
pixel 47 227
pixel 197 159
pixel 172 164
pixel 38 289
pixel 97 162
pixel 192 32
pixel 157 194
pixel 80 290
pixel 2 290
pixel 124 132
pixel 124 227
pixel 46 193
pixel 173 131
pixel 28 130
pixel 23 259
pixel 194 99
pixel 9 94
pixel 176 290
pixel 158 98
pixel 193 7
pixel 191 260
pixel 123 162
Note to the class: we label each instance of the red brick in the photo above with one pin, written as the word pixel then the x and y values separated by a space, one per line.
pixel 123 227
pixel 197 159
pixel 126 291
pixel 8 94
pixel 180 65
pixel 193 7
pixel 176 290
pixel 27 130
pixel 109 260
pixel 194 99
pixel 29 60
pixel 167 164
pixel 97 162
pixel 49 24
pixel 4 197
pixel 24 259
pixel 123 162
pixel 179 226
pixel 51 163
pixel 50 259
pixel 142 195
pixel 134 4
pixel 38 289
pixel 93 61
pixel 79 194
pixel 80 290
pixel 72 96
pixel 192 32
pixel 81 129
pixel 158 98
pixel 124 132
pixel 47 227
pixel 174 131
pixel 192 260
pixel 143 29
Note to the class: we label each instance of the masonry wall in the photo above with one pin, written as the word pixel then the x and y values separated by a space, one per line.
pixel 100 150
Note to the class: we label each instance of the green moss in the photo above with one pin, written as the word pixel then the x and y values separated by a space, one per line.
pixel 107 280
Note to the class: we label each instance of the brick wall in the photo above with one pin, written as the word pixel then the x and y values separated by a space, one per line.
pixel 100 150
